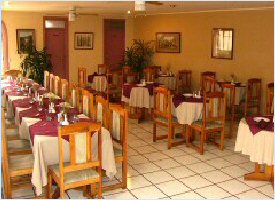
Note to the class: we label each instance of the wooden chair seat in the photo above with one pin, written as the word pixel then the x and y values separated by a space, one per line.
pixel 75 176
pixel 17 146
pixel 209 126
pixel 165 120
pixel 21 164
pixel 117 152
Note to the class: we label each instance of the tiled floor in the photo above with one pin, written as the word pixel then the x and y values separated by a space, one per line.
pixel 181 173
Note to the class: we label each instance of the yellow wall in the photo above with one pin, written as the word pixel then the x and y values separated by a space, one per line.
pixel 253 43
pixel 77 58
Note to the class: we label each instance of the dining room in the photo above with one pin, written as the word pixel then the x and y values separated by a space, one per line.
pixel 137 99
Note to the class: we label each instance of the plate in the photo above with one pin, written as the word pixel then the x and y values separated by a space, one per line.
pixel 198 96
pixel 188 95
pixel 140 85
pixel 258 119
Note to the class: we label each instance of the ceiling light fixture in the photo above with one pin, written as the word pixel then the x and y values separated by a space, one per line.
pixel 139 5
pixel 129 12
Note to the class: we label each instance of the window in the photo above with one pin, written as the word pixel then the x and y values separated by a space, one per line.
pixel 54 24
pixel 222 43
pixel 4 53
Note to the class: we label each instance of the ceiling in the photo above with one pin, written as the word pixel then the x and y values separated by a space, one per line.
pixel 121 7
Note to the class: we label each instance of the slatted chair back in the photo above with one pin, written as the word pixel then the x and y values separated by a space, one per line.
pixel 149 74
pixel 64 89
pixel 81 150
pixel 102 69
pixel 162 103
pixel 74 95
pixel 270 99
pixel 128 76
pixel 253 95
pixel 13 73
pixel 207 73
pixel 102 106
pixel 208 84
pixel 184 81
pixel 56 88
pixel 114 87
pixel 51 83
pixel 229 91
pixel 214 108
pixel 88 103
pixel 47 80
pixel 82 77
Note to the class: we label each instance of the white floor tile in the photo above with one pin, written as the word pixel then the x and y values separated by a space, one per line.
pixel 252 194
pixel 205 156
pixel 172 187
pixel 137 160
pixel 167 163
pixel 75 194
pixel 146 149
pixel 234 171
pixel 187 195
pixel 254 184
pixel 147 167
pixel 200 167
pixel 155 156
pixel 212 192
pixel 150 192
pixel 158 177
pixel 196 181
pixel 234 186
pixel 267 190
pixel 180 172
pixel 173 152
pixel 187 159
pixel 218 163
pixel 137 143
pixel 137 182
pixel 216 176
pixel 236 159
pixel 122 195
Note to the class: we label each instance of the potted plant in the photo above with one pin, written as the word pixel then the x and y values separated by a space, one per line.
pixel 35 63
pixel 139 55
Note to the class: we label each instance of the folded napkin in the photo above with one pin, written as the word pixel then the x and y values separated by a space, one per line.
pixel 260 125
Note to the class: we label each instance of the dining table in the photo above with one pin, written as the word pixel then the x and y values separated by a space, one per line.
pixel 168 81
pixel 99 82
pixel 40 127
pixel 255 139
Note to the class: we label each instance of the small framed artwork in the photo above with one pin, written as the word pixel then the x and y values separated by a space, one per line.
pixel 83 40
pixel 168 42
pixel 222 43
pixel 25 39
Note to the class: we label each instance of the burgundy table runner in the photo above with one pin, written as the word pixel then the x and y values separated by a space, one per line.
pixel 256 127
pixel 179 98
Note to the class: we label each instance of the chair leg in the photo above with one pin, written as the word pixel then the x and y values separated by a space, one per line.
pixel 99 194
pixel 154 132
pixel 62 193
pixel 202 142
pixel 9 190
pixel 124 174
pixel 222 139
pixel 49 186
pixel 170 133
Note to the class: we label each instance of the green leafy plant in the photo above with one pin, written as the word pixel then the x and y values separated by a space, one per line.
pixel 35 63
pixel 139 55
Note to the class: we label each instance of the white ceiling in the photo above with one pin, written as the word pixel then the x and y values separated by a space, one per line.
pixel 121 7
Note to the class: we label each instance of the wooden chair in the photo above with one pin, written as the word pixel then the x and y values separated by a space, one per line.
pixel 119 132
pixel 13 73
pixel 128 76
pixel 253 96
pixel 102 69
pixel 14 167
pixel 149 74
pixel 73 174
pixel 102 106
pixel 81 76
pixel 208 84
pixel 230 107
pixel 47 80
pixel 74 95
pixel 270 99
pixel 157 70
pixel 209 74
pixel 162 115
pixel 51 83
pixel 56 87
pixel 88 103
pixel 114 88
pixel 64 89
pixel 184 81
pixel 213 120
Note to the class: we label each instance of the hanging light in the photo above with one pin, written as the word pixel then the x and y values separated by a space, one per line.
pixel 72 14
pixel 139 5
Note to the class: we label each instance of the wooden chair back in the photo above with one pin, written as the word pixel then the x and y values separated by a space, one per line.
pixel 56 88
pixel 207 73
pixel 85 130
pixel 114 87
pixel 162 103
pixel 229 91
pixel 64 89
pixel 74 95
pixel 128 76
pixel 270 99
pixel 102 69
pixel 13 73
pixel 214 108
pixel 184 81
pixel 102 106
pixel 87 104
pixel 82 77
pixel 157 69
pixel 51 83
pixel 253 95
pixel 208 84
pixel 47 80
pixel 149 74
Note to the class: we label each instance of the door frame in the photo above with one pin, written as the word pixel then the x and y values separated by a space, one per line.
pixel 112 19
pixel 59 18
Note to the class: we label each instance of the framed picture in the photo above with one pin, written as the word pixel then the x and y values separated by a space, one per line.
pixel 168 42
pixel 83 40
pixel 25 38
pixel 222 43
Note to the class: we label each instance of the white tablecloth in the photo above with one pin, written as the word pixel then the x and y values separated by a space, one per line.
pixel 99 83
pixel 240 93
pixel 188 112
pixel 168 81
pixel 260 147
pixel 9 106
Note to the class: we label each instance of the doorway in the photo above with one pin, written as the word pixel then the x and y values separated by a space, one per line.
pixel 56 43
pixel 114 42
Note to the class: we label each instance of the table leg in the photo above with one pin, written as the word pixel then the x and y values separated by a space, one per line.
pixel 261 175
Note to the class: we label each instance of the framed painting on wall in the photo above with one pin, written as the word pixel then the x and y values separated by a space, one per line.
pixel 83 40
pixel 222 43
pixel 168 42
pixel 25 39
